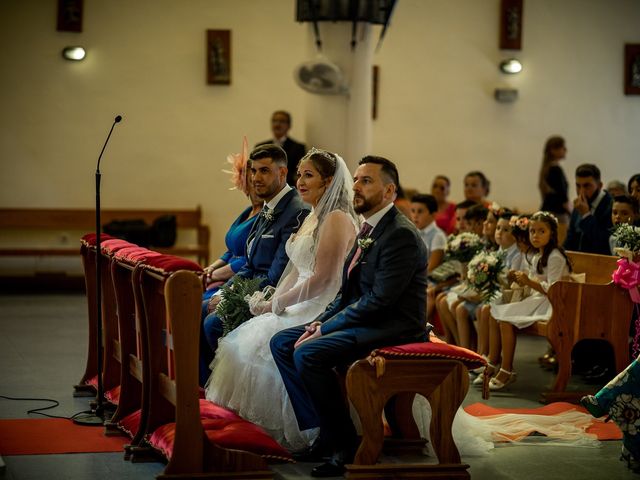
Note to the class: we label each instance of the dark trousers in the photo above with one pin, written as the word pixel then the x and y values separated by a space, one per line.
pixel 313 386
pixel 210 333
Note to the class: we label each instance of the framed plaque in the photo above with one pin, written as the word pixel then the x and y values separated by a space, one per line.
pixel 219 57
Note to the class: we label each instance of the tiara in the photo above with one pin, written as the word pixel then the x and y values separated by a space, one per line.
pixel 547 215
pixel 323 153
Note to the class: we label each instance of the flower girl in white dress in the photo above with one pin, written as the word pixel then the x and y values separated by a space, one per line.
pixel 244 376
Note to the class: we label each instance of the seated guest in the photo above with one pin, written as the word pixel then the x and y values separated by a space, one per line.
pixel 624 210
pixel 234 258
pixel 423 208
pixel 634 187
pixel 446 214
pixel 282 214
pixel 280 125
pixel 381 302
pixel 616 188
pixel 590 223
pixel 476 187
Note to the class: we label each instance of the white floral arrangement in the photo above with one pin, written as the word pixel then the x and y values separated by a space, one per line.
pixel 365 243
pixel 627 239
pixel 463 247
pixel 483 274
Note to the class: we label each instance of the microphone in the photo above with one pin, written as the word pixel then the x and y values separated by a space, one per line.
pixel 118 119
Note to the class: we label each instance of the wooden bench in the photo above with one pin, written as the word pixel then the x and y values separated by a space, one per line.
pixel 597 309
pixel 79 221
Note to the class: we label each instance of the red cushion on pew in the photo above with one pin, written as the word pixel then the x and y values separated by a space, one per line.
pixel 114 245
pixel 232 434
pixel 93 381
pixel 130 423
pixel 432 349
pixel 167 264
pixel 113 395
pixel 211 410
pixel 134 254
pixel 89 240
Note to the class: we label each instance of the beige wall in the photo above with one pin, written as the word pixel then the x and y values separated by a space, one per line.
pixel 439 67
pixel 436 109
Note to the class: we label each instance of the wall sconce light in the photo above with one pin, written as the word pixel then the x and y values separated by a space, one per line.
pixel 511 65
pixel 73 53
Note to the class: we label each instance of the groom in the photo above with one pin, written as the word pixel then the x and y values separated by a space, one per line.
pixel 282 214
pixel 381 302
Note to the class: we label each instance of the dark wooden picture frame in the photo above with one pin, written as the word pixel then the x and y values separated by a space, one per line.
pixel 632 69
pixel 70 15
pixel 511 12
pixel 219 57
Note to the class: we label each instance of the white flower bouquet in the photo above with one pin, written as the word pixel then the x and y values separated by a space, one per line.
pixel 463 247
pixel 483 274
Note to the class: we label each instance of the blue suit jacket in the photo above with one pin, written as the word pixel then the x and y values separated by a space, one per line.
pixel 384 297
pixel 591 234
pixel 268 257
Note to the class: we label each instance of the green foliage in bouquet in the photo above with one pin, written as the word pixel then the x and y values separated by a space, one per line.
pixel 483 274
pixel 627 240
pixel 233 308
pixel 463 247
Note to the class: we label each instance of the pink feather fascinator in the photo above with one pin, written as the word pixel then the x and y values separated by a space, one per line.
pixel 238 162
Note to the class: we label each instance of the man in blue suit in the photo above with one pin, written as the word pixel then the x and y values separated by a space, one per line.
pixel 282 214
pixel 382 302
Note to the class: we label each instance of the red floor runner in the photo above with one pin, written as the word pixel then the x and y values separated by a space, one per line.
pixel 604 431
pixel 54 435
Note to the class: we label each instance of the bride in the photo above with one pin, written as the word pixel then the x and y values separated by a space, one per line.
pixel 244 376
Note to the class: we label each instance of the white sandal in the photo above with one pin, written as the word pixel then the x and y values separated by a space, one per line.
pixel 495 384
pixel 480 378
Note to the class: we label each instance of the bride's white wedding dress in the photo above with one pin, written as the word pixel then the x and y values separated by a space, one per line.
pixel 245 377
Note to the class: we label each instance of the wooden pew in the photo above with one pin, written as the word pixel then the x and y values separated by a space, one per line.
pixel 70 221
pixel 388 380
pixel 174 424
pixel 597 309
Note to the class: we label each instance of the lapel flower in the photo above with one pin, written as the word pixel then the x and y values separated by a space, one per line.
pixel 365 243
pixel 268 215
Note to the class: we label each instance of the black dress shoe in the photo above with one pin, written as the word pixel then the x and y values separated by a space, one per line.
pixel 316 452
pixel 332 468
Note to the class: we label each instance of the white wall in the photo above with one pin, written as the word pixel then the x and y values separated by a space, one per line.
pixel 437 114
pixel 439 67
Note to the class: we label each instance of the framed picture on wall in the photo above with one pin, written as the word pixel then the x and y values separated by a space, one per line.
pixel 632 69
pixel 219 57
pixel 69 16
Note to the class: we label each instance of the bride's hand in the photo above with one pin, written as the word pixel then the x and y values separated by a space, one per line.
pixel 260 307
pixel 311 331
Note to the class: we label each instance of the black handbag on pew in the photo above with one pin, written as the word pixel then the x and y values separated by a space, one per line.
pixel 162 233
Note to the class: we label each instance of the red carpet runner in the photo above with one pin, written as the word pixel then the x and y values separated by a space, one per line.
pixel 47 436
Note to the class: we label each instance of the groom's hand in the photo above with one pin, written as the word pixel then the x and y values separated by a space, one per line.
pixel 213 303
pixel 311 331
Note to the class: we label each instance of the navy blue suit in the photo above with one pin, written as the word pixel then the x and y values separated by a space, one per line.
pixel 591 234
pixel 381 302
pixel 267 259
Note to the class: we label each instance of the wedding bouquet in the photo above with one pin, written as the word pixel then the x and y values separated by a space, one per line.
pixel 233 308
pixel 483 274
pixel 463 247
pixel 627 240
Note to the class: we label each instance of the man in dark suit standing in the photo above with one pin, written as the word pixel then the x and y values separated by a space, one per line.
pixel 590 224
pixel 381 302
pixel 280 125
pixel 282 214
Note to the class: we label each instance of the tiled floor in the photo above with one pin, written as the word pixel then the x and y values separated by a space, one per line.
pixel 42 354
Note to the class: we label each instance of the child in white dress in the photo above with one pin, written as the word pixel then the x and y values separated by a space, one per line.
pixel 549 265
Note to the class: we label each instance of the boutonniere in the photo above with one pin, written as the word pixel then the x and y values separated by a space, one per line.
pixel 268 215
pixel 365 243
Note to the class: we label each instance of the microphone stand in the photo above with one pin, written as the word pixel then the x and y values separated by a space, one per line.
pixel 95 417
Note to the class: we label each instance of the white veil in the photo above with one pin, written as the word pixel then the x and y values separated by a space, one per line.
pixel 333 225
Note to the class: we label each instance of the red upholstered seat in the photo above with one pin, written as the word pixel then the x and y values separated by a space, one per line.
pixel 130 423
pixel 167 264
pixel 134 254
pixel 89 239
pixel 113 395
pixel 211 410
pixel 235 434
pixel 114 245
pixel 435 349
pixel 93 381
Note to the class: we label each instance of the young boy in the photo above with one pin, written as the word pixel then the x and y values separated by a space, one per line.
pixel 624 210
pixel 423 209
